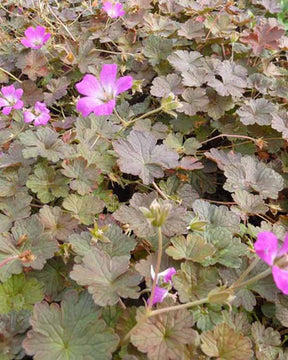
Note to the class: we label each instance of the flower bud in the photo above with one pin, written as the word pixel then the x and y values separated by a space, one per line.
pixel 196 224
pixel 221 295
pixel 170 103
pixel 157 212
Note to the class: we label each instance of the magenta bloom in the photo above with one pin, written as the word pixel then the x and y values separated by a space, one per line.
pixel 10 99
pixel 100 95
pixel 35 37
pixel 113 10
pixel 161 293
pixel 40 114
pixel 267 249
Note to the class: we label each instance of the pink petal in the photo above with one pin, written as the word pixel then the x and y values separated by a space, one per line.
pixel 108 77
pixel 266 246
pixel 6 110
pixel 18 93
pixel 3 102
pixel 41 107
pixel 8 90
pixel 87 104
pixel 118 10
pixel 105 108
pixel 281 279
pixel 30 33
pixel 123 84
pixel 46 37
pixel 167 274
pixel 19 105
pixel 107 6
pixel 40 30
pixel 89 86
pixel 28 116
pixel 42 119
pixel 284 247
pixel 26 43
pixel 159 295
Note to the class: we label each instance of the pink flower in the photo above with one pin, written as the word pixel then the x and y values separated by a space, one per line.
pixel 100 95
pixel 40 115
pixel 161 293
pixel 10 99
pixel 35 37
pixel 267 249
pixel 113 10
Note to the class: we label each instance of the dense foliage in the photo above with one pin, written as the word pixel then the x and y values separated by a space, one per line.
pixel 144 151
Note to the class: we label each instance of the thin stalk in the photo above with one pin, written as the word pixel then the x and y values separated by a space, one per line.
pixel 155 111
pixel 160 191
pixel 12 76
pixel 178 307
pixel 252 280
pixel 157 268
pixel 229 135
pixel 247 271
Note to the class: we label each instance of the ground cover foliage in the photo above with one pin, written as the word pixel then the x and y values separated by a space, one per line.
pixel 129 208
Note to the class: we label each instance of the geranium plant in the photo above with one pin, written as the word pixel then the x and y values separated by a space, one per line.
pixel 143 180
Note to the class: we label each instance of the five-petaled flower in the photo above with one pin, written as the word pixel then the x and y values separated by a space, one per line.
pixel 40 115
pixel 35 37
pixel 267 248
pixel 113 10
pixel 160 292
pixel 10 99
pixel 100 95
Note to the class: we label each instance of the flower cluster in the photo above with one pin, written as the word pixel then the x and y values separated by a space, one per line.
pixel 267 248
pixel 10 100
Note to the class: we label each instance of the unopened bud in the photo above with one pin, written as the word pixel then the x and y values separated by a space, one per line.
pixel 157 212
pixel 196 224
pixel 221 295
pixel 170 103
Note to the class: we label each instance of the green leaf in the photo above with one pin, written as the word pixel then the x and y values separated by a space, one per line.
pixel 12 180
pixel 162 86
pixel 206 317
pixel 165 336
pixel 216 216
pixel 225 343
pixel 248 204
pixel 43 142
pixel 257 111
pixel 72 331
pixel 108 278
pixel 139 155
pixel 12 330
pixel 119 245
pixel 28 246
pixel 218 105
pixel 252 175
pixel 194 281
pixel 54 276
pixel 47 183
pixel 83 208
pixel 85 177
pixel 14 208
pixel 282 310
pixel 157 49
pixel 234 79
pixel 268 341
pixel 19 293
pixel 195 100
pixel 175 223
pixel 56 223
pixel 193 248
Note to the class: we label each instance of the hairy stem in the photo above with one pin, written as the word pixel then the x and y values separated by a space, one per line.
pixel 258 277
pixel 247 271
pixel 157 268
pixel 229 135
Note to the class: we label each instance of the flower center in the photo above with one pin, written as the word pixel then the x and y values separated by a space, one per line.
pixel 282 262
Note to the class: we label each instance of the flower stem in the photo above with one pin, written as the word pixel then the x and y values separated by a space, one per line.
pixel 157 268
pixel 229 135
pixel 178 307
pixel 258 277
pixel 155 111
pixel 247 271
